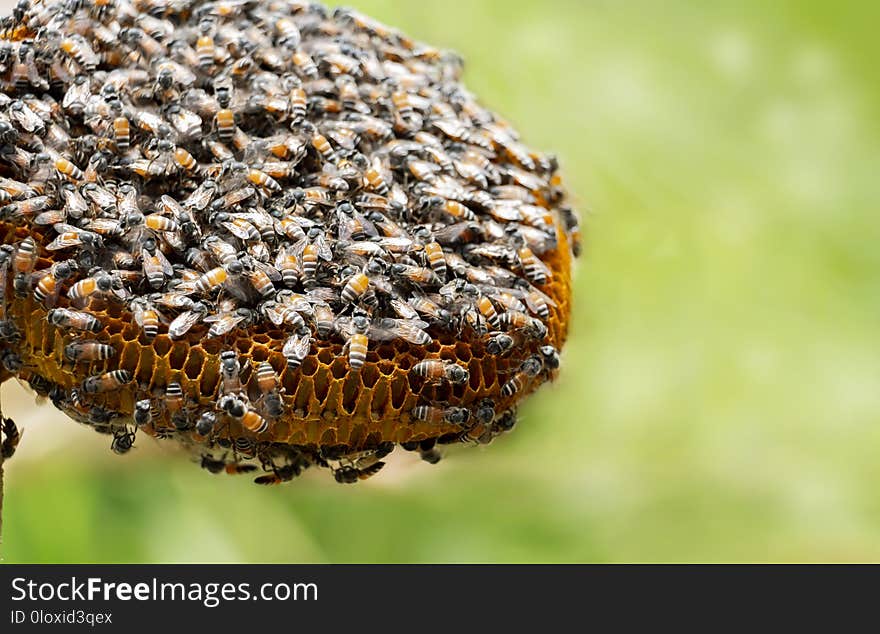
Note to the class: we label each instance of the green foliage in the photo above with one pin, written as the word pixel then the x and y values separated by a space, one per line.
pixel 719 394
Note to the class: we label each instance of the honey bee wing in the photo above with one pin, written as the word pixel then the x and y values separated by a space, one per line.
pixel 297 346
pixel 344 327
pixel 298 248
pixel 532 294
pixel 398 244
pixel 322 295
pixel 238 230
pixel 382 284
pixel 171 206
pixel 104 226
pixel 404 310
pixel 283 257
pixel 324 250
pixel 181 324
pixel 507 211
pixel 223 323
pixel 271 271
pixel 200 198
pixel 364 248
pixel 299 303
pixel 345 230
pixel 369 227
pixel 273 312
pixel 64 241
pixel 538 262
pixel 240 195
pixel 167 269
pixel 387 328
pixel 50 217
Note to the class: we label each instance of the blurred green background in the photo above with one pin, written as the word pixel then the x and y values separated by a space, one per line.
pixel 719 399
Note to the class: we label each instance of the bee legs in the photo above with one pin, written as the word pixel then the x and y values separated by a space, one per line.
pixel 11 437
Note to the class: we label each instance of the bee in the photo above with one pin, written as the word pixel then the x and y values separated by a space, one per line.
pixel 421 275
pixel 253 422
pixel 288 33
pixel 155 265
pixel 233 406
pixel 262 277
pixel 150 122
pixel 99 196
pixel 438 415
pixel 550 357
pixel 530 368
pixel 267 383
pixel 106 382
pixel 355 287
pixel 324 320
pixel 350 96
pixel 430 455
pixel 457 131
pixel 280 474
pixel 403 102
pixel 438 370
pixel 205 424
pixel 358 342
pixel 316 196
pixel 296 348
pixel 288 265
pixel 311 249
pixel 146 317
pixel 232 468
pixel 77 48
pixel 123 441
pixel 322 145
pixel 230 371
pixel 232 198
pixel 499 344
pixel 375 182
pixel 11 437
pixel 224 121
pixel 432 310
pixel 305 65
pixel 101 282
pixel 88 350
pixel 28 207
pixel 351 474
pixel 64 318
pixel 16 189
pixel 143 412
pixel 352 225
pixel 487 310
pixel 182 324
pixel 122 133
pixel 453 208
pixel 485 411
pixel 515 320
pixel 262 179
pixel 226 321
pixel 537 302
pixel 21 114
pixel 185 160
pixel 435 259
pixel 210 281
pixel 23 264
pixel 149 46
pixel 535 270
pixel 210 464
pixel 47 289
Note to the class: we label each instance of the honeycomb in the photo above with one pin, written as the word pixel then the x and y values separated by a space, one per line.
pixel 334 414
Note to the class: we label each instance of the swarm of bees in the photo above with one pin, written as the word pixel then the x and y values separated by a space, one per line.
pixel 281 235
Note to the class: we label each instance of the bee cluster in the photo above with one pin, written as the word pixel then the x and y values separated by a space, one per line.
pixel 283 235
